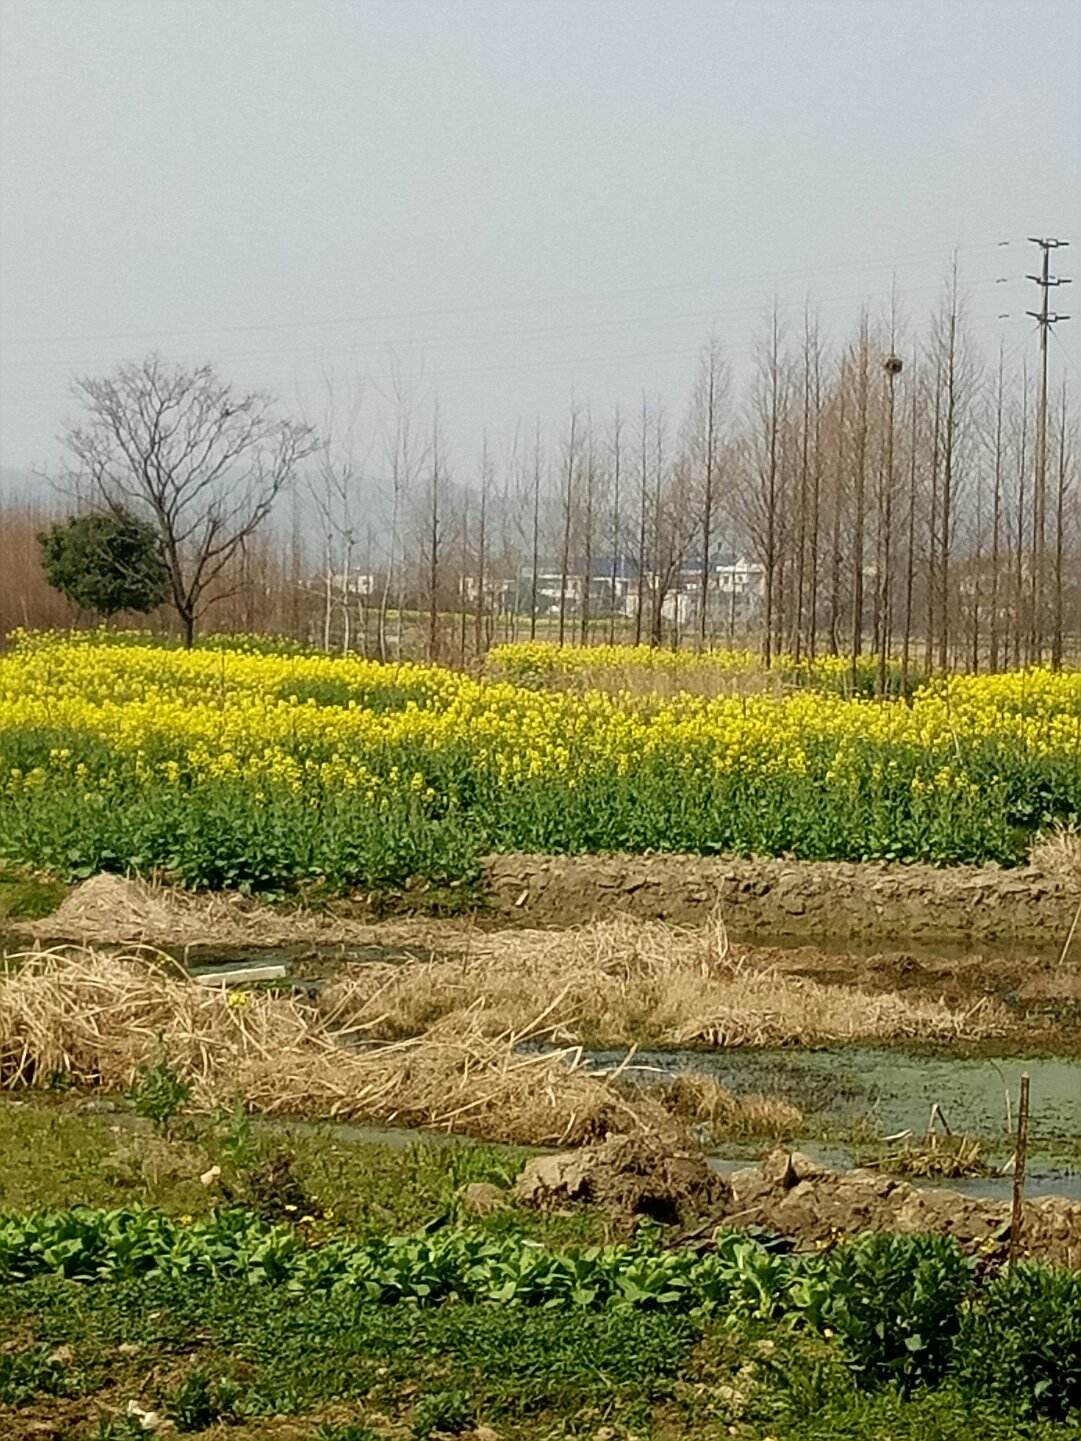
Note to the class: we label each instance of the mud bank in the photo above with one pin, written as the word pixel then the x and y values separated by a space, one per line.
pixel 790 1195
pixel 773 899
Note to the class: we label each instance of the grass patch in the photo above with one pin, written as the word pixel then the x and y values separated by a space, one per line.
pixel 335 1369
pixel 55 1157
pixel 258 1361
pixel 25 896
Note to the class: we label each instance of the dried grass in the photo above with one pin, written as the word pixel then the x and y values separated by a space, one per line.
pixel 712 1108
pixel 1057 853
pixel 97 1019
pixel 626 982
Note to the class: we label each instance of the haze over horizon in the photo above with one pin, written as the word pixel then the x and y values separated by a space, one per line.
pixel 516 201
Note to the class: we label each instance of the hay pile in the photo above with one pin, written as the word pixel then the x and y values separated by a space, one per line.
pixel 97 1019
pixel 116 910
pixel 626 982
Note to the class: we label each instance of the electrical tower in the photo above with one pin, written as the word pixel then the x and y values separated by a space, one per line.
pixel 1046 318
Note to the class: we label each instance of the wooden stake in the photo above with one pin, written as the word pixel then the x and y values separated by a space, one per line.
pixel 1020 1152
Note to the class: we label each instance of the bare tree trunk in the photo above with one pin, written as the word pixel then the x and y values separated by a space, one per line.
pixel 482 554
pixel 816 496
pixel 534 569
pixel 932 528
pixel 948 457
pixel 434 539
pixel 1020 627
pixel 862 388
pixel 773 425
pixel 885 547
pixel 1060 525
pixel 657 626
pixel 910 547
pixel 587 554
pixel 838 495
pixel 713 382
pixel 617 432
pixel 568 512
pixel 803 506
pixel 996 513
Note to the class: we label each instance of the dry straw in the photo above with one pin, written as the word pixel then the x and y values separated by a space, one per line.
pixel 624 982
pixel 97 1019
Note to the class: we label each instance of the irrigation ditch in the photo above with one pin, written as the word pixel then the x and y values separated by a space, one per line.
pixel 545 1036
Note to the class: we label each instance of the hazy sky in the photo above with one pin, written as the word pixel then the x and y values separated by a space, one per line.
pixel 521 196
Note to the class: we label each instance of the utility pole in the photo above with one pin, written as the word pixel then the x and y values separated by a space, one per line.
pixel 1046 318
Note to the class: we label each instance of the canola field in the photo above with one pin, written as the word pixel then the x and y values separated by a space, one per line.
pixel 243 767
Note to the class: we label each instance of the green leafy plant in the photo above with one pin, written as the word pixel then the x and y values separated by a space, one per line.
pixel 25 1374
pixel 444 1411
pixel 159 1095
pixel 237 1141
pixel 895 1303
pixel 201 1400
pixel 120 1428
pixel 1021 1341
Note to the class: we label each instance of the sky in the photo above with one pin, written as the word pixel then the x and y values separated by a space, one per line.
pixel 511 201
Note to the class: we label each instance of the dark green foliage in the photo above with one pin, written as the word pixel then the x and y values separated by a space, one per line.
pixel 483 1323
pixel 25 1374
pixel 200 1400
pixel 895 1303
pixel 105 563
pixel 159 1095
pixel 443 1411
pixel 1022 1343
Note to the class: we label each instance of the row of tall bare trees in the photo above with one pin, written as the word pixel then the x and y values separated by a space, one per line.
pixel 882 496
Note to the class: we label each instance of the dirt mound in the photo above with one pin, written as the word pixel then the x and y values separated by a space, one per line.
pixel 796 1198
pixel 125 910
pixel 789 1195
pixel 628 1177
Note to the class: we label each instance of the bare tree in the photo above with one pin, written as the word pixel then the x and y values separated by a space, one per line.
pixel 643 518
pixel 198 459
pixel 434 531
pixel 405 457
pixel 567 501
pixel 332 487
pixel 617 531
pixel 710 394
pixel 765 494
pixel 1062 491
pixel 485 477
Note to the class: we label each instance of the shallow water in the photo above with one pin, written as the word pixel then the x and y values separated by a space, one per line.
pixel 840 1086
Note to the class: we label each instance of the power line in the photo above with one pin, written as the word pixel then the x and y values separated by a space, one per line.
pixel 472 338
pixel 572 298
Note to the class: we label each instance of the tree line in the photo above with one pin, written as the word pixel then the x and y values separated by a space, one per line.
pixel 902 494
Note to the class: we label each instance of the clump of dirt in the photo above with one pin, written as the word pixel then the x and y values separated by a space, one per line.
pixel 795 1197
pixel 630 1178
pixel 789 1195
